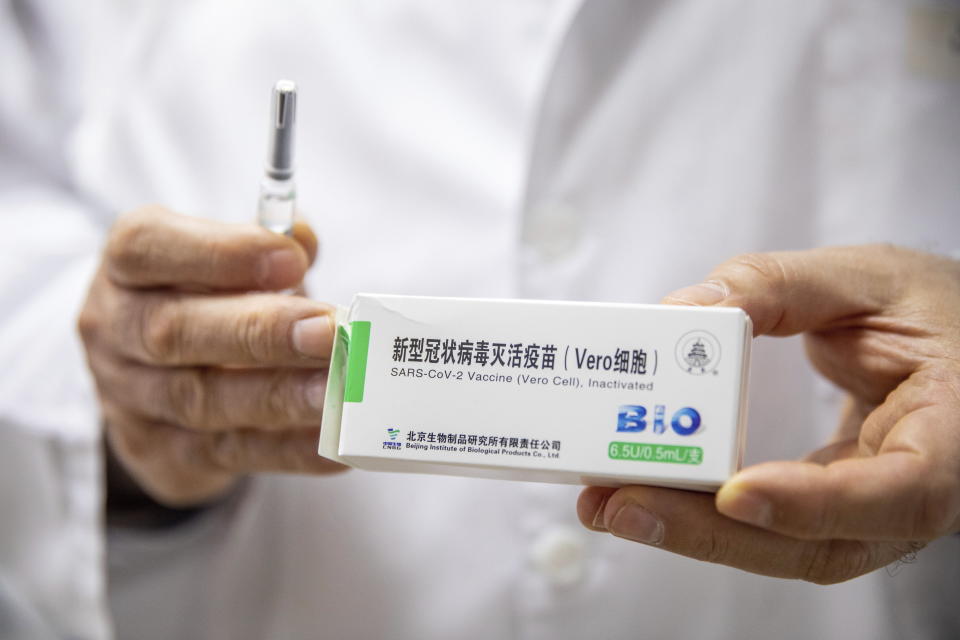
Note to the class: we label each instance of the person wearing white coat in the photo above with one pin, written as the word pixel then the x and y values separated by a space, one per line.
pixel 607 151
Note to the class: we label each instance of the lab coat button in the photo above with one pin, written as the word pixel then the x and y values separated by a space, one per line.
pixel 559 553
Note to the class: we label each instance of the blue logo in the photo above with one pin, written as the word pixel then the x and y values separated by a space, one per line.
pixel 632 418
pixel 393 433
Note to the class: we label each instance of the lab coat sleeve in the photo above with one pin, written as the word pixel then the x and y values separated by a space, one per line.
pixel 51 541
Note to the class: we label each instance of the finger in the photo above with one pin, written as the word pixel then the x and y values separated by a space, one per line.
pixel 687 523
pixel 907 492
pixel 901 482
pixel 794 291
pixel 153 247
pixel 590 506
pixel 211 398
pixel 924 388
pixel 178 467
pixel 837 450
pixel 852 416
pixel 177 329
pixel 304 235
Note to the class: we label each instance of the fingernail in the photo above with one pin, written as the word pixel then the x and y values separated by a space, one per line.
pixel 280 268
pixel 598 516
pixel 313 337
pixel 636 523
pixel 701 295
pixel 316 388
pixel 745 506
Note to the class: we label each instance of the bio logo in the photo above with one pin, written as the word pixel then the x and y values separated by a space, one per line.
pixel 393 433
pixel 632 418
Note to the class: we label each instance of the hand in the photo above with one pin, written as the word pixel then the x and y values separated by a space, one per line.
pixel 882 323
pixel 200 380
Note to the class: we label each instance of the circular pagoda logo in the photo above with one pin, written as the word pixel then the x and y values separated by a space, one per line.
pixel 698 352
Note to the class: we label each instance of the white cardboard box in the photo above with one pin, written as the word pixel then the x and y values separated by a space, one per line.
pixel 572 392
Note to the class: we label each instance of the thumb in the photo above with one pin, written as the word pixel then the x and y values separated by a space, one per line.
pixel 791 292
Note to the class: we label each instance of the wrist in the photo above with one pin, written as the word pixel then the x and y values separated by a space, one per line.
pixel 128 505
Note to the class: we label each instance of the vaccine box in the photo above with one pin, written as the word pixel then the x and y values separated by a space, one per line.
pixel 570 392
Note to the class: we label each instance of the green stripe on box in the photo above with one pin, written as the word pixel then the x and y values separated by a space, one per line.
pixel 357 361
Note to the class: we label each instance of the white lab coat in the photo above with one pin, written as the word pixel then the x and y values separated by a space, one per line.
pixel 543 149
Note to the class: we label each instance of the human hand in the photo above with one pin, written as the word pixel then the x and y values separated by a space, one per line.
pixel 881 322
pixel 201 381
